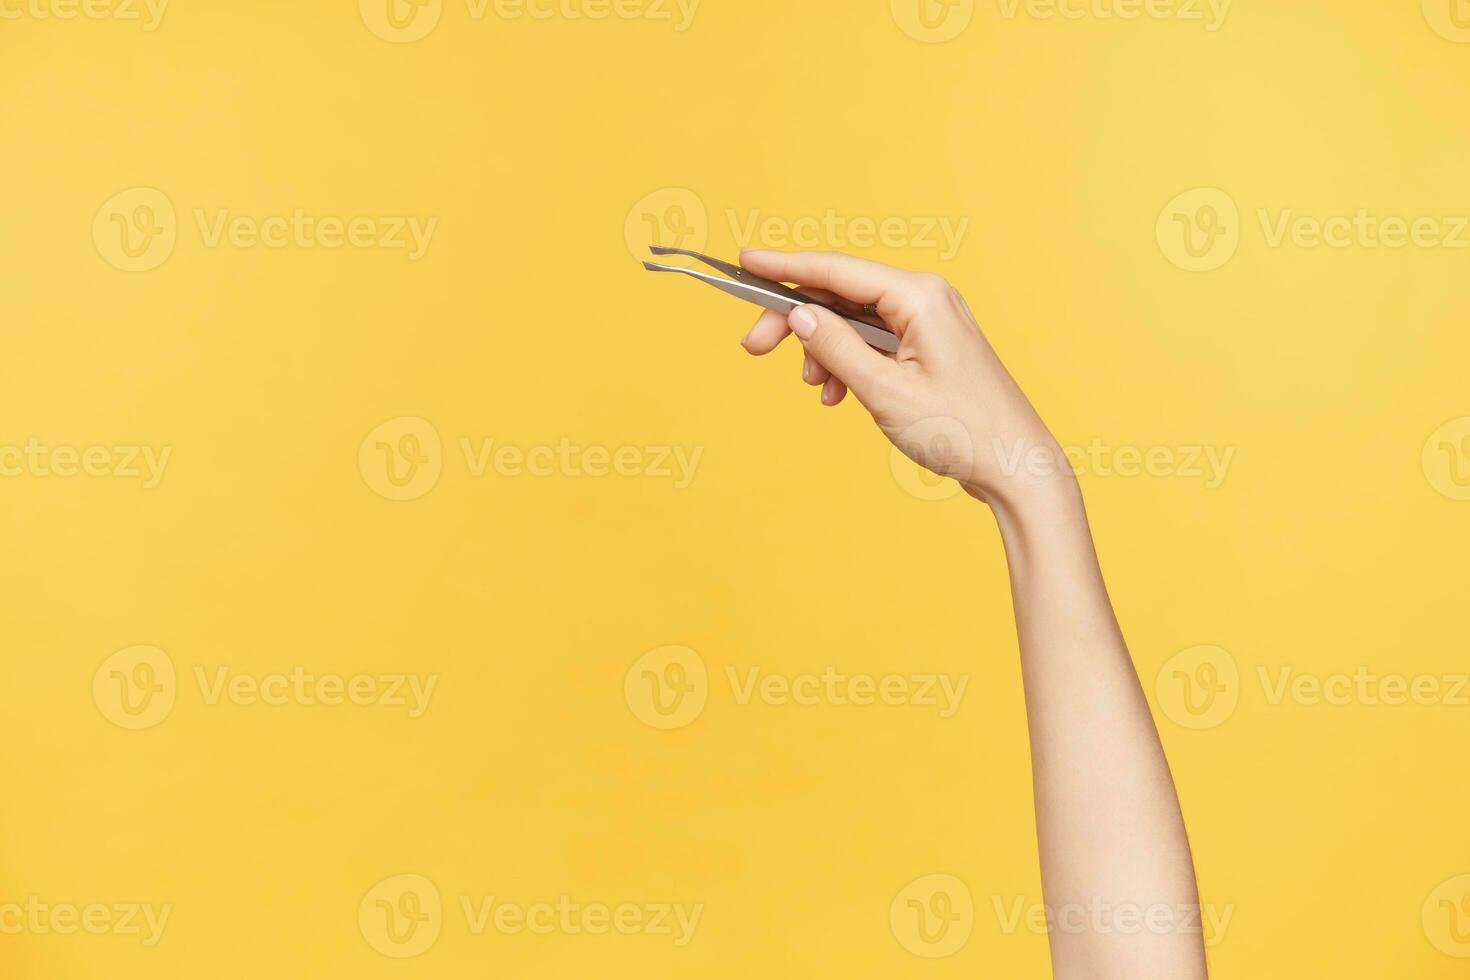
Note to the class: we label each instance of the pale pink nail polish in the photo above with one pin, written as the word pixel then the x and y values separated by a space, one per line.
pixel 803 322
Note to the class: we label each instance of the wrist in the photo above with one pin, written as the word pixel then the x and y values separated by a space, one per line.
pixel 1024 480
pixel 1035 502
pixel 1032 488
pixel 1041 522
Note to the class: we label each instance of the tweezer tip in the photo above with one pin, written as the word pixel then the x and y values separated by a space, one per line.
pixel 660 250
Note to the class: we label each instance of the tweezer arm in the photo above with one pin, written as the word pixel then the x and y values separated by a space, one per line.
pixel 766 294
pixel 735 272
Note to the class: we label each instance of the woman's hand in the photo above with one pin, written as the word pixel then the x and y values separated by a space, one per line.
pixel 945 399
pixel 1108 822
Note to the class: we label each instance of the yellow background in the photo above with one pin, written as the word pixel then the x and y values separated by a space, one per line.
pixel 1324 829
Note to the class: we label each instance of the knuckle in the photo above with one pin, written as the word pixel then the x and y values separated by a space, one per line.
pixel 933 293
pixel 818 269
pixel 933 285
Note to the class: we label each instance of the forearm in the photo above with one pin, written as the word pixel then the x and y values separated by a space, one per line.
pixel 1115 862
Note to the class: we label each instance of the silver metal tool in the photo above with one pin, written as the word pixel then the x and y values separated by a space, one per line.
pixel 765 293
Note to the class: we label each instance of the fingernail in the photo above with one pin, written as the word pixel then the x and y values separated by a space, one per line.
pixel 803 323
pixel 806 369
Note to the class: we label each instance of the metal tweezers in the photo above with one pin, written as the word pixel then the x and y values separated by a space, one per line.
pixel 765 293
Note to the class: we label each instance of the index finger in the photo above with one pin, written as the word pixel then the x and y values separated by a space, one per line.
pixel 859 280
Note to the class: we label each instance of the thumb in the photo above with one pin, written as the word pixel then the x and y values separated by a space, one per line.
pixel 832 343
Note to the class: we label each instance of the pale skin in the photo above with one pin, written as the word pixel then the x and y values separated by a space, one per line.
pixel 1108 821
